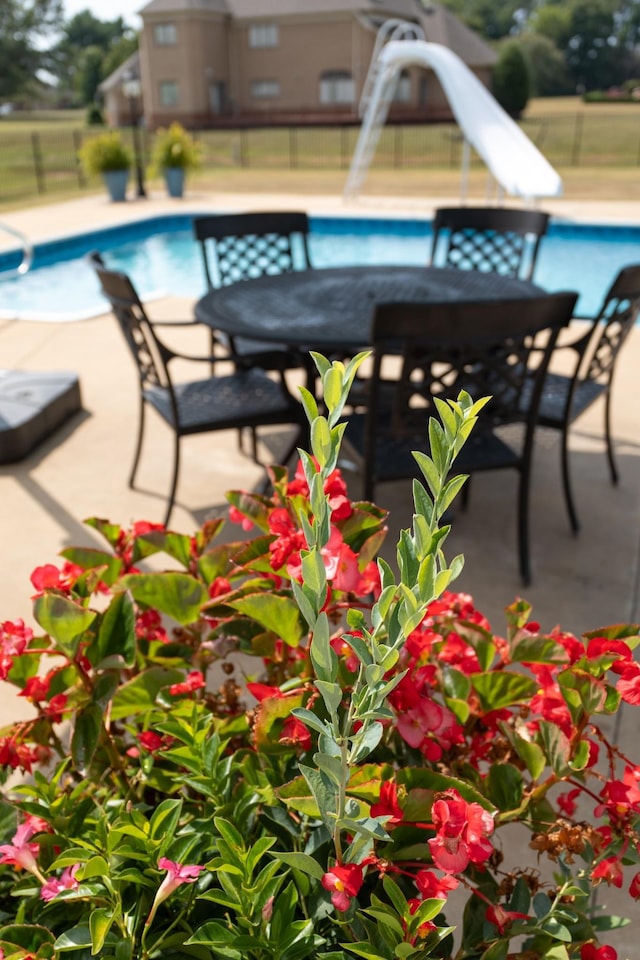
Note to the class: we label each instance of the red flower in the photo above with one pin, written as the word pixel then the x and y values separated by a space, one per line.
pixel 629 684
pixel 609 870
pixel 433 887
pixel 387 805
pixel 461 833
pixel 295 733
pixel 262 691
pixel 345 882
pixel 149 627
pixel 634 887
pixel 194 681
pixel 237 517
pixel 590 951
pixel 502 918
pixel 219 587
pixel 15 754
pixel 14 638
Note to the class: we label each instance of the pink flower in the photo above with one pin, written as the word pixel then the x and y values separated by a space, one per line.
pixel 344 882
pixel 56 885
pixel 20 853
pixel 387 805
pixel 177 874
pixel 461 833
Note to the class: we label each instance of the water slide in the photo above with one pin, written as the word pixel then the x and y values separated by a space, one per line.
pixel 513 161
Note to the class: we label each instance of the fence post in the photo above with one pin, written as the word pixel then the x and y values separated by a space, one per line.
pixel 293 148
pixel 76 136
pixel 577 141
pixel 37 162
pixel 398 157
pixel 344 148
pixel 244 148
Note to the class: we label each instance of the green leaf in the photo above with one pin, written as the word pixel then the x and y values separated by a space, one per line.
pixel 332 695
pixel 505 786
pixel 301 861
pixel 530 754
pixel 86 734
pixel 395 895
pixel 79 936
pixel 139 694
pixel 164 820
pixel 94 867
pixel 498 950
pixel 365 949
pixel 412 777
pixel 63 619
pixel 100 921
pixel 179 595
pixel 278 614
pixel 556 746
pixel 323 657
pixel 89 558
pixel 117 633
pixel 555 929
pixel 498 689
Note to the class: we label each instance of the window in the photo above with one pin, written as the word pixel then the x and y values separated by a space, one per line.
pixel 261 89
pixel 165 34
pixel 263 35
pixel 169 93
pixel 403 89
pixel 337 87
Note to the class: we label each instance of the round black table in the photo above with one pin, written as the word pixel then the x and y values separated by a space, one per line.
pixel 333 308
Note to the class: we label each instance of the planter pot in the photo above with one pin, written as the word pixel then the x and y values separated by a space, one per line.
pixel 116 183
pixel 174 179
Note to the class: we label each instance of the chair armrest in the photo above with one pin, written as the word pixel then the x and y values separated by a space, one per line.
pixel 179 323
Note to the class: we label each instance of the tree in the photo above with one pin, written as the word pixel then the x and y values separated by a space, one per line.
pixel 512 78
pixel 549 74
pixel 84 54
pixel 22 24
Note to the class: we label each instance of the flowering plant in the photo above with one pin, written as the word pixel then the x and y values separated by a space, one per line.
pixel 393 741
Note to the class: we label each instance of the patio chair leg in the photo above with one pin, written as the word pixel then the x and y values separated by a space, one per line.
pixel 523 525
pixel 607 431
pixel 174 482
pixel 566 482
pixel 136 456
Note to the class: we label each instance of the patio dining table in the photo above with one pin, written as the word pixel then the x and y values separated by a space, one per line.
pixel 331 309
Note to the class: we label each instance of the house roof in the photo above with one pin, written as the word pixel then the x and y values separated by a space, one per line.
pixel 438 23
pixel 441 26
pixel 115 79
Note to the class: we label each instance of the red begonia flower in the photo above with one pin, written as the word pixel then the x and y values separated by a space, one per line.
pixel 590 951
pixel 194 681
pixel 387 805
pixel 462 830
pixel 433 887
pixel 344 882
pixel 609 870
pixel 502 918
pixel 295 733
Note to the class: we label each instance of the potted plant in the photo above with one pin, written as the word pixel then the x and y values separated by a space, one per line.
pixel 106 154
pixel 391 741
pixel 174 153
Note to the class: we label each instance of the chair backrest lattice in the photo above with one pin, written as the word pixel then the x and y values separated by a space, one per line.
pixel 150 355
pixel 246 246
pixel 483 348
pixel 613 325
pixel 490 239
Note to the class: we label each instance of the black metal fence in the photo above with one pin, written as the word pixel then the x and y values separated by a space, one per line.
pixel 42 163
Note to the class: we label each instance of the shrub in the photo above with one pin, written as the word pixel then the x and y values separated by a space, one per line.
pixel 105 153
pixel 395 739
pixel 95 116
pixel 512 82
pixel 175 147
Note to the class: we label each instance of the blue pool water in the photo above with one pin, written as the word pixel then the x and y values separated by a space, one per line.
pixel 162 258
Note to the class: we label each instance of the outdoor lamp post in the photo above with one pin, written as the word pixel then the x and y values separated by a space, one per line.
pixel 132 89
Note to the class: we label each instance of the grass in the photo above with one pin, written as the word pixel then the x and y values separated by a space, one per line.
pixel 595 147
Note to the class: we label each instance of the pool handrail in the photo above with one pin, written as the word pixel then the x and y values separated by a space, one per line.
pixel 27 253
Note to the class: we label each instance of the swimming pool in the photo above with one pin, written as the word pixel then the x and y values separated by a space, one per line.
pixel 162 258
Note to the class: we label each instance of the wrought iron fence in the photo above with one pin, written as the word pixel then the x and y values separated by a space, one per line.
pixel 47 162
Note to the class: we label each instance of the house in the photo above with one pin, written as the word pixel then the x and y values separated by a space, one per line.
pixel 214 63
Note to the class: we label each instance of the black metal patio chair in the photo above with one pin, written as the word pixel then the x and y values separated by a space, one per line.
pixel 488 238
pixel 245 398
pixel 245 246
pixel 482 347
pixel 565 397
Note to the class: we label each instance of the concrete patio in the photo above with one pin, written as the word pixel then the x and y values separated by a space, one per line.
pixel 579 582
